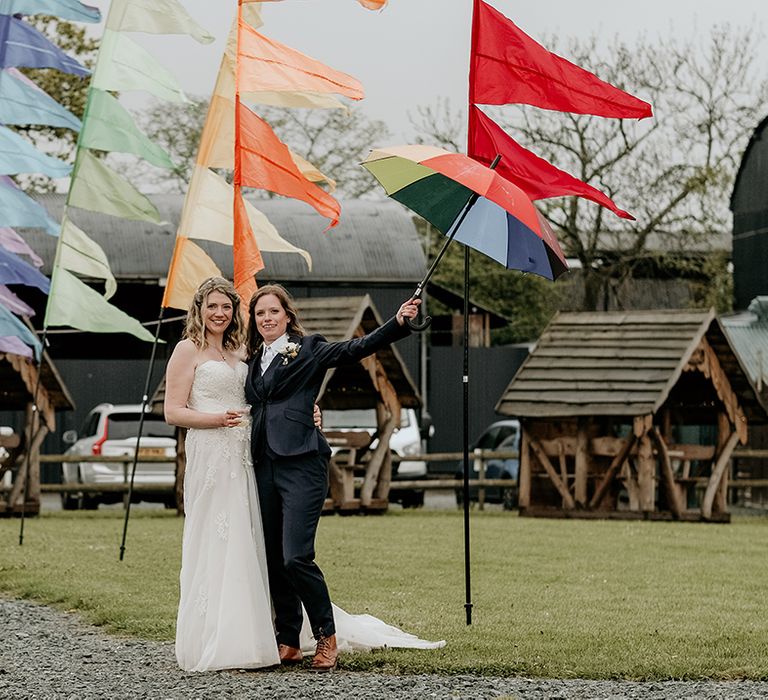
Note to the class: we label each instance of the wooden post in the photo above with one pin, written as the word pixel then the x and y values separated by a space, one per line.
pixel 646 472
pixel 720 504
pixel 718 471
pixel 673 492
pixel 479 464
pixel 524 477
pixel 616 465
pixel 581 464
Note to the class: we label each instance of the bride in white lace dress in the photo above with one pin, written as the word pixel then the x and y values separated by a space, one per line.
pixel 225 614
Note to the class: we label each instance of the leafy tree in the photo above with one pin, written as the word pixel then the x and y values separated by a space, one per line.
pixel 673 172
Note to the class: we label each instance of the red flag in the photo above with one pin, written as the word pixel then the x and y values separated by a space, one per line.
pixel 507 66
pixel 265 162
pixel 247 256
pixel 538 178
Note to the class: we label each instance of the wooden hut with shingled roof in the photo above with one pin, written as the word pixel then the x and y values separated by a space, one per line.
pixel 20 380
pixel 630 415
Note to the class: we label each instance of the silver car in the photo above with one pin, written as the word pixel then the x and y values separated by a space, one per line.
pixel 111 430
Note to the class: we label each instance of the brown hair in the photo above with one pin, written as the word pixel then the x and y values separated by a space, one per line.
pixel 254 339
pixel 195 327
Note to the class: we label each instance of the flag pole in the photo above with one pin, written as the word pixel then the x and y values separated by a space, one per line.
pixel 144 401
pixel 465 411
pixel 35 419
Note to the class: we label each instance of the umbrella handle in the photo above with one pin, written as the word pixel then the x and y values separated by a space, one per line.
pixel 419 326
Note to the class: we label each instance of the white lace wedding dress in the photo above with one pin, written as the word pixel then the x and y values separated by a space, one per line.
pixel 225 614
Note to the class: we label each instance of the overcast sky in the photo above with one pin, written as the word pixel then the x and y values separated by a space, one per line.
pixel 417 50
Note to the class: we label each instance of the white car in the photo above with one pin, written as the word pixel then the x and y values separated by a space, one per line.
pixel 111 430
pixel 405 442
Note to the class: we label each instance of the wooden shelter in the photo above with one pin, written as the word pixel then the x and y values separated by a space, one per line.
pixel 381 381
pixel 630 415
pixel 19 379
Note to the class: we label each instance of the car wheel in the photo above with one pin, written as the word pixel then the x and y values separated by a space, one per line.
pixel 509 498
pixel 70 501
pixel 90 502
pixel 413 499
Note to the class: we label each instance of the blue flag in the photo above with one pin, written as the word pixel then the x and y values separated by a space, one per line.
pixel 22 102
pixel 13 270
pixel 22 45
pixel 17 155
pixel 19 211
pixel 66 9
pixel 10 326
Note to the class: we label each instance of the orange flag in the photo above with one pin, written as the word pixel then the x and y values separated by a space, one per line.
pixel 265 162
pixel 265 64
pixel 247 256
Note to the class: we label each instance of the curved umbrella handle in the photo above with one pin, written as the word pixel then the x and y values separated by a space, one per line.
pixel 419 326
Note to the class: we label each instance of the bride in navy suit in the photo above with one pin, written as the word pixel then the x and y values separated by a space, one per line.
pixel 290 456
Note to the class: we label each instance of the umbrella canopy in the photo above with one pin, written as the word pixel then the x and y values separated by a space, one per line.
pixel 503 223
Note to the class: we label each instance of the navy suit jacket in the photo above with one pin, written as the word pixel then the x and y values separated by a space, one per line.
pixel 282 400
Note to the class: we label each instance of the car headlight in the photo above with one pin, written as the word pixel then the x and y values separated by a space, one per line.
pixel 413 449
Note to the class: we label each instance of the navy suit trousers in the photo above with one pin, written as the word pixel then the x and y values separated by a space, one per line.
pixel 292 491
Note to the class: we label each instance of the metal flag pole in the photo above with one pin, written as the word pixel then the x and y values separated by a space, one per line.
pixel 465 382
pixel 35 419
pixel 144 401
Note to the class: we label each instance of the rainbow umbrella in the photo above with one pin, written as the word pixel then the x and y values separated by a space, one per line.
pixel 470 203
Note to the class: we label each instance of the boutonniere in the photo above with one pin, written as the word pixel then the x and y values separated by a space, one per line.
pixel 290 351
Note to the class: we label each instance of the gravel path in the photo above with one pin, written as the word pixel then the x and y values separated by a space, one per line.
pixel 47 654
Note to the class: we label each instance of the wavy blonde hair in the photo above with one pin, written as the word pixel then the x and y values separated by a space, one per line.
pixel 234 334
pixel 255 341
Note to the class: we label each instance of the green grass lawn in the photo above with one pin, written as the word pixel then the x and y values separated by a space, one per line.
pixel 554 598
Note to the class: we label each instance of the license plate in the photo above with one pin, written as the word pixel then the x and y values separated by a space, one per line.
pixel 151 452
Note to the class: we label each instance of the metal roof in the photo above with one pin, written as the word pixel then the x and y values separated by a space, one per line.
pixel 375 241
pixel 620 364
pixel 748 333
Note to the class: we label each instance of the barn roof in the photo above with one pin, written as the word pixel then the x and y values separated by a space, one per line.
pixel 620 364
pixel 375 241
pixel 342 318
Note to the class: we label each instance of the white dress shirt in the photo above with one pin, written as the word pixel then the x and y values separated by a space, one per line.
pixel 269 351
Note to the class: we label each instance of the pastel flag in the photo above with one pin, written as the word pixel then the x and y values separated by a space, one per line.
pixel 15 305
pixel 154 17
pixel 109 126
pixel 265 64
pixel 14 346
pixel 251 12
pixel 208 215
pixel 507 66
pixel 124 65
pixel 78 253
pixel 190 265
pixel 17 155
pixel 22 102
pixel 14 243
pixel 311 172
pixel 373 4
pixel 20 211
pixel 14 270
pixel 73 303
pixel 24 46
pixel 247 256
pixel 66 9
pixel 265 163
pixel 10 326
pixel 538 178
pixel 97 187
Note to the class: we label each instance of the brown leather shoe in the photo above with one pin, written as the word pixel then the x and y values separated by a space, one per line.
pixel 289 655
pixel 325 655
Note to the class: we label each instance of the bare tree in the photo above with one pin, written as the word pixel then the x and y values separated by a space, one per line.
pixel 674 172
pixel 335 141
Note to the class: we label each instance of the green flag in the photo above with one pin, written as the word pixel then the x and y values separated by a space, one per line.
pixel 154 17
pixel 107 126
pixel 96 187
pixel 73 303
pixel 80 254
pixel 124 65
